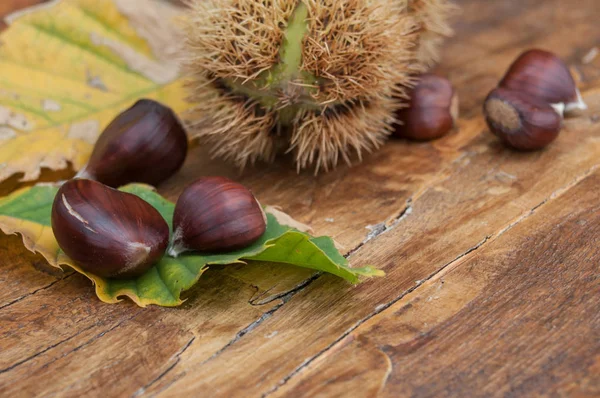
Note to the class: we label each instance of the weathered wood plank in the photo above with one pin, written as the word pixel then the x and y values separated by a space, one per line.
pixel 21 276
pixel 256 283
pixel 487 191
pixel 65 331
pixel 456 184
pixel 519 316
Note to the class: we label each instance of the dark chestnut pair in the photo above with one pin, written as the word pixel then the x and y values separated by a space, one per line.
pixel 115 234
pixel 526 109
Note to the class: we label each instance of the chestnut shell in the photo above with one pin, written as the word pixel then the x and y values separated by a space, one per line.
pixel 431 112
pixel 542 75
pixel 146 143
pixel 106 232
pixel 520 120
pixel 215 214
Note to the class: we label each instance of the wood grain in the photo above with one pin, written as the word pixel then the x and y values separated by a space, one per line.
pixel 462 210
pixel 518 317
pixel 486 193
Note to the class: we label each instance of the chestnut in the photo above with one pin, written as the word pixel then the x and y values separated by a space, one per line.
pixel 520 120
pixel 432 110
pixel 215 214
pixel 106 232
pixel 543 75
pixel 146 143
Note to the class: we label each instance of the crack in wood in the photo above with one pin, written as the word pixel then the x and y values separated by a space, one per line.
pixel 245 331
pixel 90 341
pixel 102 334
pixel 256 302
pixel 19 363
pixel 66 340
pixel 379 309
pixel 284 299
pixel 554 195
pixel 33 292
pixel 387 226
pixel 178 355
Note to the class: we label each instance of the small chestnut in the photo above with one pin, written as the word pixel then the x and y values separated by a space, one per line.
pixel 215 214
pixel 543 75
pixel 106 232
pixel 521 121
pixel 146 143
pixel 432 110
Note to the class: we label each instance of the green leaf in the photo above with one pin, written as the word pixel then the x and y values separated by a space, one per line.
pixel 28 211
pixel 300 249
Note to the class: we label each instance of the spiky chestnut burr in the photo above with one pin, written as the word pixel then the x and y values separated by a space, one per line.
pixel 432 18
pixel 109 233
pixel 317 78
pixel 145 143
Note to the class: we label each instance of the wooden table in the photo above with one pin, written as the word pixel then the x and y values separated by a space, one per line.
pixel 492 261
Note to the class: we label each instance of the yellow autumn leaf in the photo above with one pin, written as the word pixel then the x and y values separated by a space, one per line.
pixel 67 68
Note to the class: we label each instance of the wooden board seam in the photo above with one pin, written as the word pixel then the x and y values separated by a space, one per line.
pixel 435 275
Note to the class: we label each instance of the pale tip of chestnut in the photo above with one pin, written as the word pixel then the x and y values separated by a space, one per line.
pixel 577 105
pixel 176 247
pixel 84 174
pixel 262 211
pixel 455 109
pixel 559 108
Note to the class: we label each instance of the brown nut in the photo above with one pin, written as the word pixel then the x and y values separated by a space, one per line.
pixel 106 232
pixel 215 214
pixel 521 121
pixel 544 76
pixel 146 143
pixel 432 110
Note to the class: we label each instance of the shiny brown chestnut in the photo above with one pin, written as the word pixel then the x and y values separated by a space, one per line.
pixel 521 121
pixel 432 110
pixel 106 232
pixel 215 214
pixel 146 143
pixel 543 75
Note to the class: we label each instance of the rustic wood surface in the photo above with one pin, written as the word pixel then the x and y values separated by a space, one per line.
pixel 492 257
